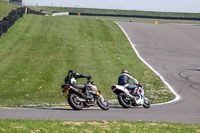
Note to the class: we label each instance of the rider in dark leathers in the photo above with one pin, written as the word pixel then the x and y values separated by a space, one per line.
pixel 71 79
pixel 123 80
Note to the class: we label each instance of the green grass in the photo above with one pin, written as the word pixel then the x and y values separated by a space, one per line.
pixel 46 126
pixel 38 51
pixel 5 8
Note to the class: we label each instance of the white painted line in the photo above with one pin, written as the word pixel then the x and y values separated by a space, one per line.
pixel 177 97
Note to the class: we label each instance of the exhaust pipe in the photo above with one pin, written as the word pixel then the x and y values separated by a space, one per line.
pixel 77 91
pixel 80 99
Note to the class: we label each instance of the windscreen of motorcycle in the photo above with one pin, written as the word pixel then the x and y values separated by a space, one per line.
pixel 94 89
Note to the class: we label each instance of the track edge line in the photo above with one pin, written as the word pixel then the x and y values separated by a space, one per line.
pixel 177 97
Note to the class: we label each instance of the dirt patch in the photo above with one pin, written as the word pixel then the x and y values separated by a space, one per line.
pixel 17 127
pixel 128 125
pixel 87 131
pixel 104 122
pixel 165 125
pixel 36 131
pixel 152 124
pixel 2 129
pixel 72 123
pixel 94 123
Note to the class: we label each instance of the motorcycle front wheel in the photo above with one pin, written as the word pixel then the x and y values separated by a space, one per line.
pixel 146 103
pixel 124 101
pixel 74 102
pixel 103 103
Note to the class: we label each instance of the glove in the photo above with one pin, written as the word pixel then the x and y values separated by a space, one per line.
pixel 139 85
pixel 85 76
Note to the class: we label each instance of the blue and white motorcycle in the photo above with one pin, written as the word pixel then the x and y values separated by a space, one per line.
pixel 126 99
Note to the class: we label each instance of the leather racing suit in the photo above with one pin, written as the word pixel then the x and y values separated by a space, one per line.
pixel 123 80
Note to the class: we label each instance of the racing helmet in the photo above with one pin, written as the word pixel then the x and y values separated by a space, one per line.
pixel 72 71
pixel 125 71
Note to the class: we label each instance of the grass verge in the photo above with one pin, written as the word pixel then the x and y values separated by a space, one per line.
pixel 38 51
pixel 37 126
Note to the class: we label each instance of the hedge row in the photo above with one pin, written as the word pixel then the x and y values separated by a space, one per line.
pixel 13 16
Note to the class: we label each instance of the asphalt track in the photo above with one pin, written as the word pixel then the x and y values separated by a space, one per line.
pixel 173 51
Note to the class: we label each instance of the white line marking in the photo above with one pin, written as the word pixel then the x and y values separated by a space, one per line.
pixel 177 97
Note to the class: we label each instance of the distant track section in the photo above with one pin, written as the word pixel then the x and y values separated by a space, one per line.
pixel 135 16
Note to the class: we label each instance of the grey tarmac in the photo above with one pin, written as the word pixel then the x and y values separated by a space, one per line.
pixel 174 51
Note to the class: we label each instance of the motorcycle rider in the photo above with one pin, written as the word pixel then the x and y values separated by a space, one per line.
pixel 123 80
pixel 71 79
pixel 72 76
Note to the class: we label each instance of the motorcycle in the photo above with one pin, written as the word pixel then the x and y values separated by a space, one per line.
pixel 126 99
pixel 84 96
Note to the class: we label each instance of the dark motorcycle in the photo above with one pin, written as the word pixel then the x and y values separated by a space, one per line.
pixel 80 96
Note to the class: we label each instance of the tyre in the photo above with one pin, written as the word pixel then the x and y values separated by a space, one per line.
pixel 146 103
pixel 124 101
pixel 74 102
pixel 103 103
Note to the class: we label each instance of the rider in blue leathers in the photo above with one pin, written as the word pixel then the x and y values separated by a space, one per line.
pixel 123 80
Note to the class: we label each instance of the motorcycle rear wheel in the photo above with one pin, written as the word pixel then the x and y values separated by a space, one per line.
pixel 74 102
pixel 103 103
pixel 124 102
